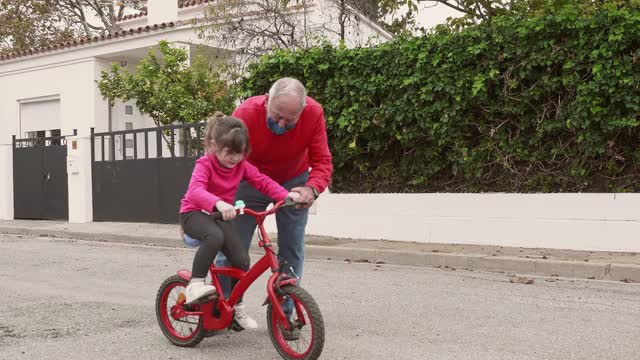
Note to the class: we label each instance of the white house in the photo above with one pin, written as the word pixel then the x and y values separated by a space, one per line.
pixel 51 92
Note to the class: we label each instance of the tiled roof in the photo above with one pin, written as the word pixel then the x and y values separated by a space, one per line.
pixel 87 40
pixel 134 16
pixel 187 3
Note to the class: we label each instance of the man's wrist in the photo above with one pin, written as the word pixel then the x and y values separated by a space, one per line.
pixel 314 191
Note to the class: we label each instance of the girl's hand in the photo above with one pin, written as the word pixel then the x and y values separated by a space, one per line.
pixel 227 210
pixel 294 196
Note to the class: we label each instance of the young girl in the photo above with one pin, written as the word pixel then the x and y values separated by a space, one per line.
pixel 213 185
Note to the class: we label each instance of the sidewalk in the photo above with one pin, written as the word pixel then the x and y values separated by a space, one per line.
pixel 510 260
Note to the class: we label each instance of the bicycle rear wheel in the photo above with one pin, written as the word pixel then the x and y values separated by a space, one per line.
pixel 306 322
pixel 184 331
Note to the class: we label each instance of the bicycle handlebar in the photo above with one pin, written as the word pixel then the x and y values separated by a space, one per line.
pixel 287 202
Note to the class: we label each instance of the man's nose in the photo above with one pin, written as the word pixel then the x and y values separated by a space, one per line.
pixel 282 123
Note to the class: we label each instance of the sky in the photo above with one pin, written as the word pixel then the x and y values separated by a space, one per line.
pixel 431 13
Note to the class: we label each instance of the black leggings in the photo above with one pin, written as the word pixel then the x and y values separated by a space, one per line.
pixel 214 236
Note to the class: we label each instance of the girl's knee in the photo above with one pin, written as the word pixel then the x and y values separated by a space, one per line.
pixel 242 261
pixel 213 237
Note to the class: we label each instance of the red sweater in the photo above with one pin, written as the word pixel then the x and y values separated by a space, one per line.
pixel 291 154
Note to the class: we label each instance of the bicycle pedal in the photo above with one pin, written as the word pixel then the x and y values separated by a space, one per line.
pixel 182 298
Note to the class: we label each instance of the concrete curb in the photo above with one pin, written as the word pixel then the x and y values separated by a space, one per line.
pixel 473 262
pixel 116 238
pixel 477 262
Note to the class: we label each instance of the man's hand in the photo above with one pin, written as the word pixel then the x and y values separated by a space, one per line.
pixel 294 196
pixel 306 197
pixel 227 210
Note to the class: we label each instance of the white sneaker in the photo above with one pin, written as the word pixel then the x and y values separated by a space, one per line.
pixel 243 319
pixel 197 290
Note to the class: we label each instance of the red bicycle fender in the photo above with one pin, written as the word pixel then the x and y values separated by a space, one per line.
pixel 185 274
pixel 281 284
pixel 287 282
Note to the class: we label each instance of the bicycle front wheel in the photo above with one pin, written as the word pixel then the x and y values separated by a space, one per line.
pixel 305 340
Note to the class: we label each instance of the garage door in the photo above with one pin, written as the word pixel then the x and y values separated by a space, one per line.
pixel 39 116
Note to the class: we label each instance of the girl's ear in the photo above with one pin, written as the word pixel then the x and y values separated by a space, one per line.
pixel 212 146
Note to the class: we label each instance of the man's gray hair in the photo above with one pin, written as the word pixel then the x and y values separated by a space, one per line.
pixel 288 86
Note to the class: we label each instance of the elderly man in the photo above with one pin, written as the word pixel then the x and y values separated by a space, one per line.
pixel 287 135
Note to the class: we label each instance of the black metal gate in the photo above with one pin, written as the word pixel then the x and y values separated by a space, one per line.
pixel 40 178
pixel 145 176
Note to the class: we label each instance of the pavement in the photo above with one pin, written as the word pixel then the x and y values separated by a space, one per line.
pixel 66 299
pixel 597 265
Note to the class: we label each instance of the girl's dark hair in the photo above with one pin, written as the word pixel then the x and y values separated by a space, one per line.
pixel 226 132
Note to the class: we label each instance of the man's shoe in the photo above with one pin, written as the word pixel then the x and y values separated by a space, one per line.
pixel 242 317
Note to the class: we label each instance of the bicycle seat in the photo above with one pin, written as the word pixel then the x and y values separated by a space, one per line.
pixel 189 241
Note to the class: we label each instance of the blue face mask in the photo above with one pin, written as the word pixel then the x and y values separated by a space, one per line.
pixel 273 126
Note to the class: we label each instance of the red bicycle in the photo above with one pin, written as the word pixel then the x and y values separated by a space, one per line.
pixel 187 325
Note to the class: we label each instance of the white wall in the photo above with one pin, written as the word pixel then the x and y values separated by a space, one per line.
pixel 9 121
pixel 72 81
pixel 6 180
pixel 160 11
pixel 608 222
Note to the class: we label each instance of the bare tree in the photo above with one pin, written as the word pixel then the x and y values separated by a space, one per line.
pixel 385 13
pixel 349 13
pixel 485 10
pixel 249 29
pixel 254 28
pixel 95 16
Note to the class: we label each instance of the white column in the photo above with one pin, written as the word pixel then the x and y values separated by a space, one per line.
pixel 6 179
pixel 79 177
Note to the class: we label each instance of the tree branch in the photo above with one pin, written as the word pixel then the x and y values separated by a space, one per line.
pixel 455 7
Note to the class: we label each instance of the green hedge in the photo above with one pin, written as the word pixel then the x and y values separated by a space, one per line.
pixel 527 104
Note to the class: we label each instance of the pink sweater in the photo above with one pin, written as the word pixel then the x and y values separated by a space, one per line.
pixel 211 182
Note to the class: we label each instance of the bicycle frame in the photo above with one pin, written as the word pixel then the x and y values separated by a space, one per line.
pixel 245 280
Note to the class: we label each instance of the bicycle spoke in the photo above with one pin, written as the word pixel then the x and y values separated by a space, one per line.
pixel 306 343
pixel 188 322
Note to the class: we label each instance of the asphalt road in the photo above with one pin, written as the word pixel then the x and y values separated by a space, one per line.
pixel 69 299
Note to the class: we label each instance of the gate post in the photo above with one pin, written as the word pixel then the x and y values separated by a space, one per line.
pixel 79 178
pixel 6 180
